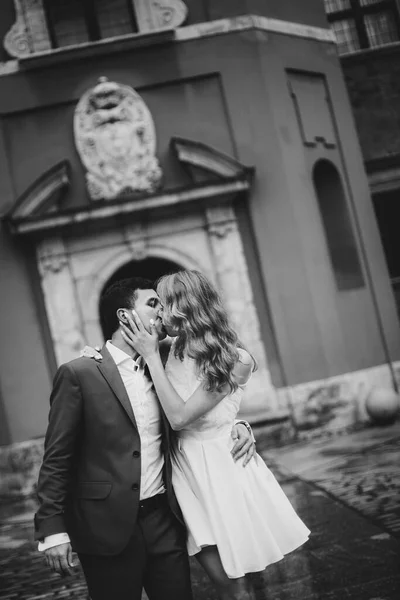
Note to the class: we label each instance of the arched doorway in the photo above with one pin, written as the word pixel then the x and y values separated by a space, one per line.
pixel 150 268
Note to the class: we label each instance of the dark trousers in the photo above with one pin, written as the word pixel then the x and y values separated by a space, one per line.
pixel 155 558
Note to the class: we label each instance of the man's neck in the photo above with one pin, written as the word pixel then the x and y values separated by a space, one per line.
pixel 118 341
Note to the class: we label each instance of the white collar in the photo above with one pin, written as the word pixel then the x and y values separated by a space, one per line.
pixel 119 356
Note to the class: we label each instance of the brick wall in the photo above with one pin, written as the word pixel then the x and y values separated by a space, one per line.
pixel 373 82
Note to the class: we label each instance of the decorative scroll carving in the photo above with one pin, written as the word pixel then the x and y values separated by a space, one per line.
pixel 137 241
pixel 116 140
pixel 29 33
pixel 221 221
pixel 51 256
pixel 17 42
pixel 153 14
pixel 220 230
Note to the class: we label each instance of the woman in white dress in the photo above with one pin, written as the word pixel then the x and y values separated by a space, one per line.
pixel 238 519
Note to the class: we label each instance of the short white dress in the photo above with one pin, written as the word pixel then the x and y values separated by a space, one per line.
pixel 241 510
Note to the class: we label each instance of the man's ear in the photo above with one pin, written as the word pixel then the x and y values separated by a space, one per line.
pixel 121 315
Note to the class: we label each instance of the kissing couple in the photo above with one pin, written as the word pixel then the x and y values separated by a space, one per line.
pixel 145 461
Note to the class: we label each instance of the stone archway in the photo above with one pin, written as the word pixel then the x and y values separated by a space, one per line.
pixel 152 267
pixel 75 269
pixel 149 268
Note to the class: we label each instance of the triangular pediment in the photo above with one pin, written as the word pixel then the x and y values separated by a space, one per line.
pixel 204 162
pixel 43 195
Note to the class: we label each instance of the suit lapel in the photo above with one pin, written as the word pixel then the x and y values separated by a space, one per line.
pixel 108 369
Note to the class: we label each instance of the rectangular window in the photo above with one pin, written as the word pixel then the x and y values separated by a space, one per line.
pixel 115 17
pixel 66 21
pixel 381 28
pixel 359 24
pixel 346 35
pixel 73 22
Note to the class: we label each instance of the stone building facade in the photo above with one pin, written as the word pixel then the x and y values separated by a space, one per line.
pixel 211 135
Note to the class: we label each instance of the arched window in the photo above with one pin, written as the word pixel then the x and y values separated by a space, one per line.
pixel 337 225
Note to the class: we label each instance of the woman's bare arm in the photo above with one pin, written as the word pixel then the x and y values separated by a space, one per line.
pixel 179 413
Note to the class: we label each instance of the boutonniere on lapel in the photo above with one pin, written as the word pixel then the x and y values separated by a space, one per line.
pixel 89 352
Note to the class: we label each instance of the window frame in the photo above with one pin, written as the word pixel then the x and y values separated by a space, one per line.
pixel 357 12
pixel 91 21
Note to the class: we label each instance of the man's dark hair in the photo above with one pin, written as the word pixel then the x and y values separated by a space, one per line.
pixel 121 294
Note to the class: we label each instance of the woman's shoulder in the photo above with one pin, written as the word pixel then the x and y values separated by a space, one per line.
pixel 244 367
pixel 245 358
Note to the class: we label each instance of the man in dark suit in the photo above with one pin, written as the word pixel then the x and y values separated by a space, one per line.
pixel 104 487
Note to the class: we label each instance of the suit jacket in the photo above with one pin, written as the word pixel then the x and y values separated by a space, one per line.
pixel 89 482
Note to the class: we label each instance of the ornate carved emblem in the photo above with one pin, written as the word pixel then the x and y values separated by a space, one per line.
pixel 116 141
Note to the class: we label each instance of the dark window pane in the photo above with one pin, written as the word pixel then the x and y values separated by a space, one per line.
pixel 368 2
pixel 387 210
pixel 67 22
pixel 115 17
pixel 381 28
pixel 346 35
pixel 338 227
pixel 332 6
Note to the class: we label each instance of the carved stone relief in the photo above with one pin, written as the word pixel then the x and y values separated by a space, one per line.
pixel 137 241
pixel 116 140
pixel 29 33
pixel 154 14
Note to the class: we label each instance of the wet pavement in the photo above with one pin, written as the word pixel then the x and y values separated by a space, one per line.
pixel 362 469
pixel 346 489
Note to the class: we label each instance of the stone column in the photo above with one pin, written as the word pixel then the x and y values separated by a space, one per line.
pixel 260 399
pixel 61 304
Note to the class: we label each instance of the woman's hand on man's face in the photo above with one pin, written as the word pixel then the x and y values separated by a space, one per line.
pixel 145 343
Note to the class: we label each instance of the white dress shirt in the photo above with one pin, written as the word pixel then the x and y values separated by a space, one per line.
pixel 148 419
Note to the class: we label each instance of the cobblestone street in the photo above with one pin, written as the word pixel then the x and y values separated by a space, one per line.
pixel 351 554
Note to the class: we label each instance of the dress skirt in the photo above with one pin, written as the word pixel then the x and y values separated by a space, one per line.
pixel 241 510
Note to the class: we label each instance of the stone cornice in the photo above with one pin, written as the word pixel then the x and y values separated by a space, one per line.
pixel 164 36
pixel 176 199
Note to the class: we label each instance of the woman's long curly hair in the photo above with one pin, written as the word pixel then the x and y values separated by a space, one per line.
pixel 194 309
